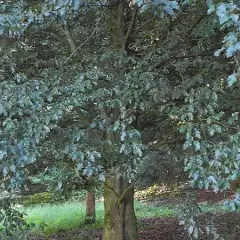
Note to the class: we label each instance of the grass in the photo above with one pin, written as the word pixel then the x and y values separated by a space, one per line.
pixel 214 208
pixel 143 211
pixel 53 218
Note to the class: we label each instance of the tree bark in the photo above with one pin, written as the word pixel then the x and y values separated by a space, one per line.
pixel 119 217
pixel 90 216
pixel 119 221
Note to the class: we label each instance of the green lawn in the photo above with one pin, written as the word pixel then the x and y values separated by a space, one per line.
pixel 60 217
pixel 70 215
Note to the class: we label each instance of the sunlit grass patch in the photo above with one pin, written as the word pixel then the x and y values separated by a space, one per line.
pixel 144 211
pixel 53 218
pixel 213 208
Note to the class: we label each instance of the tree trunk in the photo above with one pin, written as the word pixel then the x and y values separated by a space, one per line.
pixel 90 207
pixel 119 221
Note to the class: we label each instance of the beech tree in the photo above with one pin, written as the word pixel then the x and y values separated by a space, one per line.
pixel 83 79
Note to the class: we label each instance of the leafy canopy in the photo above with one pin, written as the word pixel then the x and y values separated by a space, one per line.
pixel 84 104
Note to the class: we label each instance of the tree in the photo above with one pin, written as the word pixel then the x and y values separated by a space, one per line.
pixel 90 207
pixel 135 61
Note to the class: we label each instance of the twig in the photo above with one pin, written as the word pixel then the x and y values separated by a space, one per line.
pixel 69 37
pixel 167 142
pixel 144 24
pixel 131 25
pixel 203 131
pixel 95 29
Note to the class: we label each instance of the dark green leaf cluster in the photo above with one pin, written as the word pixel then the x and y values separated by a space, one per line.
pixel 13 225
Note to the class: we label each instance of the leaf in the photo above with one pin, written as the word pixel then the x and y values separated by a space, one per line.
pixel 197 133
pixel 81 156
pixel 234 17
pixel 76 4
pixel 231 38
pixel 12 168
pixel 197 145
pixel 212 179
pixel 79 166
pixel 3 152
pixel 50 98
pixel 217 154
pixel 227 170
pixel 181 222
pixel 92 157
pixel 2 109
pixel 139 2
pixel 74 156
pixel 60 184
pixel 62 12
pixel 232 79
pixel 122 148
pixel 168 10
pixel 218 52
pixel 221 10
pixel 195 233
pixel 185 145
pixel 230 51
pixel 182 129
pixel 237 45
pixel 5 171
pixel 102 177
pixel 211 131
pixel 123 135
pixel 208 229
pixel 214 96
pixel 1 29
pixel 190 230
pixel 174 5
pixel 138 151
pixel 88 171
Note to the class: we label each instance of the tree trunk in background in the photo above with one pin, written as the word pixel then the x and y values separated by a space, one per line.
pixel 119 219
pixel 90 216
pixel 90 207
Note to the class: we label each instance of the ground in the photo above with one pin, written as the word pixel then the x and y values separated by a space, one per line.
pixel 228 227
pixel 227 224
